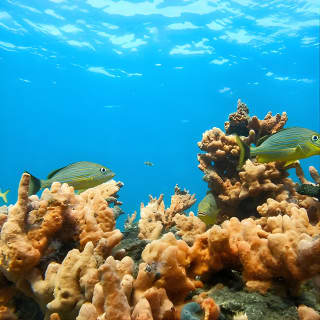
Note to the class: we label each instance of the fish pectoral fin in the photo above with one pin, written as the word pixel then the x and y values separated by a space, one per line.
pixel 299 150
pixel 4 195
pixel 288 163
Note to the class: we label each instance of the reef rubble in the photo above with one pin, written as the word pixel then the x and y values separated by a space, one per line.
pixel 62 257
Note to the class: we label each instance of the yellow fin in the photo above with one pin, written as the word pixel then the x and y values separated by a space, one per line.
pixel 261 159
pixel 244 152
pixel 4 195
pixel 289 162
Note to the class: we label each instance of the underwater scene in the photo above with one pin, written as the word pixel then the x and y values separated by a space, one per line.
pixel 160 160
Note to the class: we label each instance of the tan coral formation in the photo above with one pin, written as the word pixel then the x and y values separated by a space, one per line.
pixel 241 123
pixel 95 218
pixel 218 144
pixel 180 201
pixel 246 193
pixel 154 218
pixel 264 249
pixel 88 282
pixel 269 125
pixel 21 244
pixel 150 222
pixel 59 214
pixel 288 198
pixel 238 121
pixel 189 227
pixel 166 261
pixel 307 313
pixel 256 182
pixel 314 174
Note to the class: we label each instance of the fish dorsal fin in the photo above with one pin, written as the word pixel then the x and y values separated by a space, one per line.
pixel 51 174
pixel 263 139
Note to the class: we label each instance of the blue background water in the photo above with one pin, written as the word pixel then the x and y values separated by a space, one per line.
pixel 123 82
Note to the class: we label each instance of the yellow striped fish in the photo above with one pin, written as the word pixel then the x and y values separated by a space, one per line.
pixel 81 175
pixel 208 210
pixel 286 145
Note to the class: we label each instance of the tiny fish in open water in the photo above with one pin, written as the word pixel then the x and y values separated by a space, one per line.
pixel 287 145
pixel 81 175
pixel 208 210
pixel 149 164
pixel 3 195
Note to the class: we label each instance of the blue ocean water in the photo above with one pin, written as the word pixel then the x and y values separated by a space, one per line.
pixel 124 82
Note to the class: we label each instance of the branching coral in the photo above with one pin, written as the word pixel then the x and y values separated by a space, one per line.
pixel 291 196
pixel 154 217
pixel 70 288
pixel 34 224
pixel 22 243
pixel 221 157
pixel 95 217
pixel 263 249
pixel 241 123
pixel 238 121
pixel 189 226
pixel 59 249
pixel 269 125
pixel 110 294
pixel 166 262
pixel 180 201
pixel 150 223
pixel 79 285
pixel 241 193
pixel 246 193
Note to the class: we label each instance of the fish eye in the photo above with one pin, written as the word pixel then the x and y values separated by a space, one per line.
pixel 103 170
pixel 315 138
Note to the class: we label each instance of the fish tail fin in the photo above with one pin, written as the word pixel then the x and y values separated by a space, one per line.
pixel 34 185
pixel 244 152
pixel 4 195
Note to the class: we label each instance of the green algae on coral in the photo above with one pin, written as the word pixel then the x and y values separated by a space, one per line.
pixel 255 305
pixel 309 190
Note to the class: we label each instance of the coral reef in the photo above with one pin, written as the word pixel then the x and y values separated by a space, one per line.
pixel 241 123
pixel 62 258
pixel 264 249
pixel 246 193
pixel 154 218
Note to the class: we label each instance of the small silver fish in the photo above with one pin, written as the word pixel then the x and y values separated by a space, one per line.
pixel 81 175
